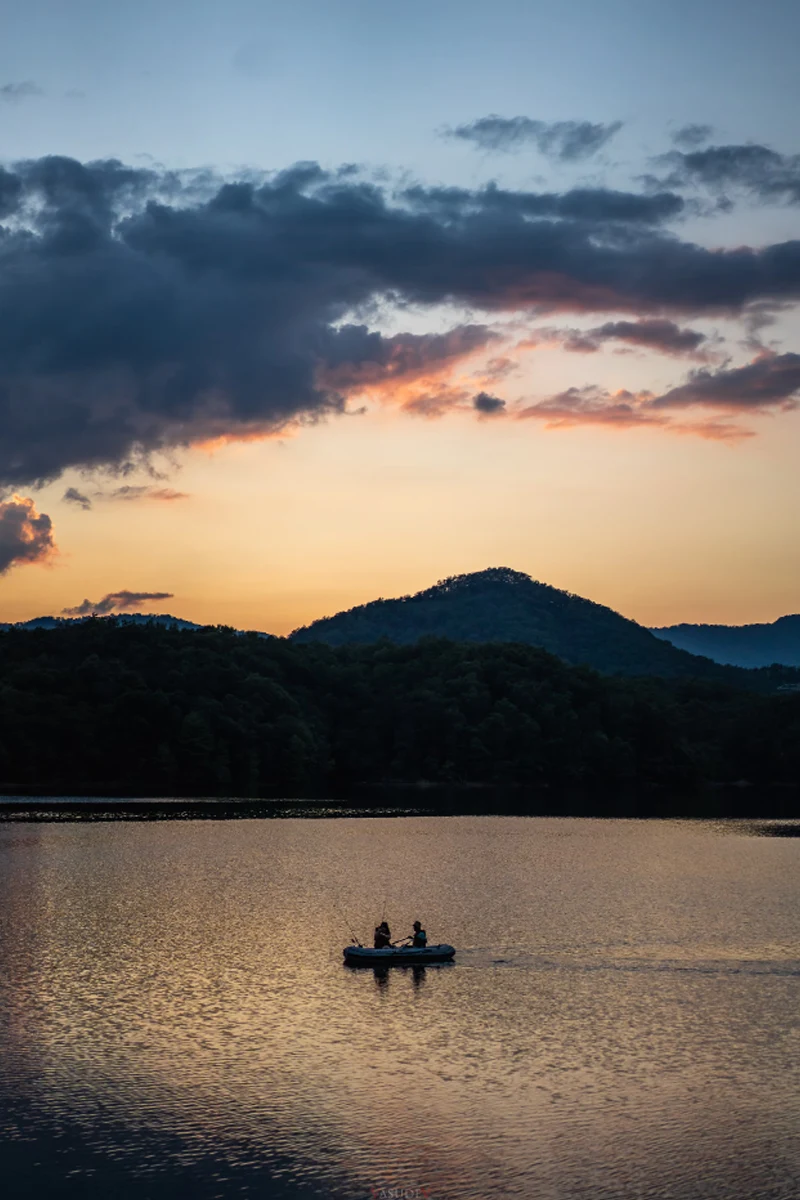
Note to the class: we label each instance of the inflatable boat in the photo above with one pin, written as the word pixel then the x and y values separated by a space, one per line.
pixel 404 956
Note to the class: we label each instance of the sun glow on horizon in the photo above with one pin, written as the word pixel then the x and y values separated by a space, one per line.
pixel 279 533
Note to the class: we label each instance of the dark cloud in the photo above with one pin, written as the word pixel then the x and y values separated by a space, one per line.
pixel 592 205
pixel 114 602
pixel 487 405
pixel 689 137
pixel 144 310
pixel 10 193
pixel 568 141
pixel 26 536
pixel 771 382
pixel 652 334
pixel 751 168
pixel 73 496
pixel 360 358
pixel 12 93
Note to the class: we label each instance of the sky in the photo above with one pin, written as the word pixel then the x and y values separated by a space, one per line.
pixel 302 305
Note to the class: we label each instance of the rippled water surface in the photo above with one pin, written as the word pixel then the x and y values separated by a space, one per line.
pixel 622 1019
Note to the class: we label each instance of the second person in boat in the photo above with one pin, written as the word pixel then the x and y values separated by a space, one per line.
pixel 383 936
pixel 419 938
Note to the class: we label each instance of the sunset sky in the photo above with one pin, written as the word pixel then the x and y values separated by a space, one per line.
pixel 304 304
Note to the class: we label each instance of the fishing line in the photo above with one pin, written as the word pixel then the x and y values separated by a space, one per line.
pixel 347 923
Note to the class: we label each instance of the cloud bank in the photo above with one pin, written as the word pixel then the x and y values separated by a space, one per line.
pixel 26 536
pixel 144 310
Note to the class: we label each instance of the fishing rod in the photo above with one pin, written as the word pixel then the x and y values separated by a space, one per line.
pixel 347 923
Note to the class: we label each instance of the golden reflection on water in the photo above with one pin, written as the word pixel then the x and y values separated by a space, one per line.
pixel 621 1016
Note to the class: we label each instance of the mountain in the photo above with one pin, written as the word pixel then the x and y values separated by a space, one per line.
pixel 740 645
pixel 501 605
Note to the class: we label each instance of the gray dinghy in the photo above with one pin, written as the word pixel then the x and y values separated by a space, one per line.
pixel 404 956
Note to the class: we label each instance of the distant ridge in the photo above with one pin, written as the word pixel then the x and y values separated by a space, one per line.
pixel 163 619
pixel 502 605
pixel 740 645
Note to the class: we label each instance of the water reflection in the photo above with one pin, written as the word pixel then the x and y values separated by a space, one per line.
pixel 621 1018
pixel 383 973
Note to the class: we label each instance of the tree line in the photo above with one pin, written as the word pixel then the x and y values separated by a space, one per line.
pixel 114 708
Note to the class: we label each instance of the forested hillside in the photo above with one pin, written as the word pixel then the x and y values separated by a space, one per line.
pixel 137 709
pixel 501 605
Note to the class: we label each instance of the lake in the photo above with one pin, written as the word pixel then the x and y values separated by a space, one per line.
pixel 622 1020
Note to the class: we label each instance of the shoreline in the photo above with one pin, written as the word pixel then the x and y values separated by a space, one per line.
pixel 738 803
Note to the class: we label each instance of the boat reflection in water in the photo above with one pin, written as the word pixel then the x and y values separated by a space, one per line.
pixel 383 974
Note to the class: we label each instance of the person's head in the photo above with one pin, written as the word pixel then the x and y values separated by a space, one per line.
pixel 384 925
pixel 417 925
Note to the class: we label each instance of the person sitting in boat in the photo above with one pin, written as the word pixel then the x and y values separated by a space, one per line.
pixel 383 936
pixel 419 938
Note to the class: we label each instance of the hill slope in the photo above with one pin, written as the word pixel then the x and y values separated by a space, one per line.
pixel 740 645
pixel 501 605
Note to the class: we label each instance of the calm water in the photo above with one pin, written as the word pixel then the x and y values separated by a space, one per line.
pixel 623 1019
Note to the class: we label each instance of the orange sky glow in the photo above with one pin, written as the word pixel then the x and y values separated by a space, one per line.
pixel 271 533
